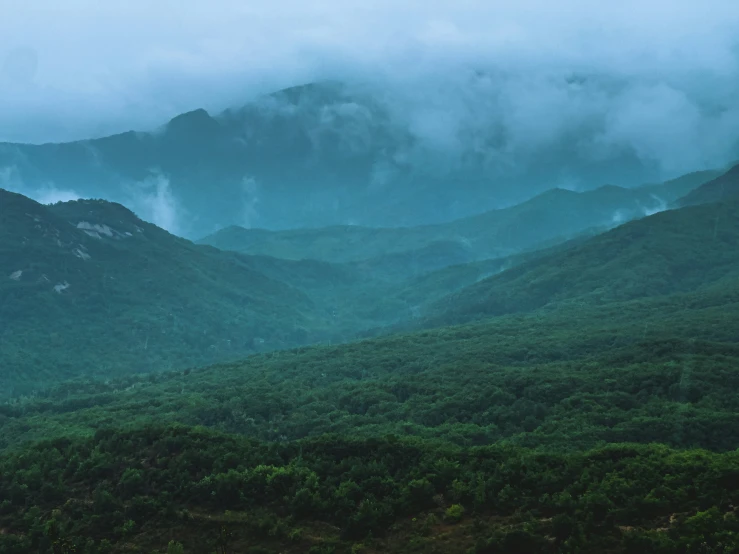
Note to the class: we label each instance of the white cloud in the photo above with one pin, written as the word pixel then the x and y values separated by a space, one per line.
pixel 658 77
pixel 153 201
pixel 10 179
pixel 250 191
pixel 52 195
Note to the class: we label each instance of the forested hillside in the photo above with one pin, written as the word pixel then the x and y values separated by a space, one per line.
pixel 670 252
pixel 587 403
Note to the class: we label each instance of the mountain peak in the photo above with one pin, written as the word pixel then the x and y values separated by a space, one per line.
pixel 93 215
pixel 195 121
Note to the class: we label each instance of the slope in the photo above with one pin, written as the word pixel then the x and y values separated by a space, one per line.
pixel 672 190
pixel 659 369
pixel 501 436
pixel 555 215
pixel 673 251
pixel 89 287
pixel 723 187
pixel 423 290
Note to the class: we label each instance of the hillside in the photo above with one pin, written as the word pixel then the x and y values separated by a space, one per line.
pixel 556 215
pixel 91 271
pixel 141 299
pixel 669 252
pixel 90 288
pixel 672 190
pixel 600 417
pixel 423 290
pixel 639 361
pixel 503 436
pixel 723 187
pixel 592 408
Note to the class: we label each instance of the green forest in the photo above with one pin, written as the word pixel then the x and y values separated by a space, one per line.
pixel 578 397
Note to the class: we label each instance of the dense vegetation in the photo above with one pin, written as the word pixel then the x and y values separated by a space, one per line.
pixel 650 370
pixel 669 252
pixel 141 299
pixel 595 412
pixel 564 382
pixel 89 288
pixel 135 491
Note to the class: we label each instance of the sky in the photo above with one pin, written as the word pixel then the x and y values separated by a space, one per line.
pixel 662 74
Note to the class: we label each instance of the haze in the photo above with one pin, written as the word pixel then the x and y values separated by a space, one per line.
pixel 662 74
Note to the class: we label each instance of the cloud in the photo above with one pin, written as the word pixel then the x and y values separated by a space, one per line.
pixel 10 179
pixel 660 206
pixel 505 81
pixel 250 192
pixel 152 200
pixel 52 195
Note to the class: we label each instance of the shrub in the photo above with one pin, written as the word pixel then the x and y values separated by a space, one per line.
pixel 454 512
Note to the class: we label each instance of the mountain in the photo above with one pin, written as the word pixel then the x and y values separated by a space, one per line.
pixel 141 299
pixel 595 412
pixel 423 290
pixel 553 216
pixel 723 187
pixel 92 272
pixel 674 251
pixel 525 433
pixel 88 287
pixel 314 155
pixel 672 190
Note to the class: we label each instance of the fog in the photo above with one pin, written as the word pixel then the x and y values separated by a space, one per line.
pixel 657 78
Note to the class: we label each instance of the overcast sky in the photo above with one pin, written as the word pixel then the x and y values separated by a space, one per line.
pixel 78 68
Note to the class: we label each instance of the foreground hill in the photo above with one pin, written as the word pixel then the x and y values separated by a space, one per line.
pixel 553 216
pixel 651 370
pixel 385 445
pixel 176 490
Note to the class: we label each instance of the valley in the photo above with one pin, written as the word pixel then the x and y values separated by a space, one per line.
pixel 556 376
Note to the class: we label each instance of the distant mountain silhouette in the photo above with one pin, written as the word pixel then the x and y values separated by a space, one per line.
pixel 309 156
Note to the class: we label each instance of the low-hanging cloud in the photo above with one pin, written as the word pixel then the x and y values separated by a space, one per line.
pixel 10 180
pixel 153 200
pixel 504 81
pixel 250 195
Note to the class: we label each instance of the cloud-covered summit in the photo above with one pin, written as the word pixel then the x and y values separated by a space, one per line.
pixel 656 71
pixel 500 101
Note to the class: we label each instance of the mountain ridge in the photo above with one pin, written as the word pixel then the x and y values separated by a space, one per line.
pixel 301 157
pixel 669 252
pixel 497 233
pixel 723 187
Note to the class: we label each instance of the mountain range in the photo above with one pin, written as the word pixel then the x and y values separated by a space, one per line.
pixel 672 252
pixel 550 217
pixel 308 156
pixel 91 272
pixel 555 376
